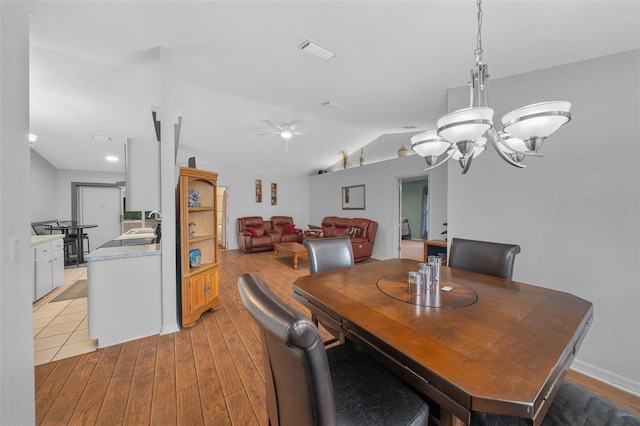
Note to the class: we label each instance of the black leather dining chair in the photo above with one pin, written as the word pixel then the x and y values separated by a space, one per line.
pixel 328 254
pixel 74 234
pixel 484 257
pixel 307 384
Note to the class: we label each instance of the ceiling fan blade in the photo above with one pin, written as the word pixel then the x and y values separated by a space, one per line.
pixel 269 133
pixel 298 133
pixel 292 125
pixel 274 125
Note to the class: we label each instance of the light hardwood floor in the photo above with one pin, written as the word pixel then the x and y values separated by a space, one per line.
pixel 209 374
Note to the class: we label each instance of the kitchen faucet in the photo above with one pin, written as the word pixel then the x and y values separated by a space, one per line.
pixel 157 230
pixel 157 213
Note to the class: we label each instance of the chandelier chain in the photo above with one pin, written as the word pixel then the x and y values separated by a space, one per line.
pixel 478 51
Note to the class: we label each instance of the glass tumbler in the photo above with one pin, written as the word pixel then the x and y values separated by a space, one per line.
pixel 425 270
pixel 435 263
pixel 415 283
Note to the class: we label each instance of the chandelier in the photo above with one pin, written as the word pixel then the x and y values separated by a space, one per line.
pixel 462 135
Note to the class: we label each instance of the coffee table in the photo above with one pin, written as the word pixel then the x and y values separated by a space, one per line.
pixel 296 249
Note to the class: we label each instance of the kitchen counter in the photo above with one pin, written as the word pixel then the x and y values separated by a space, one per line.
pixel 105 253
pixel 41 239
pixel 124 299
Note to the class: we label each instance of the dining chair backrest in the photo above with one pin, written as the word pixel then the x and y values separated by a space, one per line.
pixel 307 384
pixel 299 385
pixel 484 257
pixel 41 229
pixel 326 254
pixel 73 233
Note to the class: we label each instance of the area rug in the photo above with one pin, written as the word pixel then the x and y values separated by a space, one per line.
pixel 77 290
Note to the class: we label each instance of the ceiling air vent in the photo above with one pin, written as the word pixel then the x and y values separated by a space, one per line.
pixel 316 50
pixel 332 105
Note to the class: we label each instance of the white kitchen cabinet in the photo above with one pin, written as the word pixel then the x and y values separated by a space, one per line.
pixel 48 265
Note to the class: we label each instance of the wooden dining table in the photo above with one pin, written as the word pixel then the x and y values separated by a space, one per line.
pixel 487 345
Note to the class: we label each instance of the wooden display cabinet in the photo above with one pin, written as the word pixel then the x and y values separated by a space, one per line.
pixel 197 230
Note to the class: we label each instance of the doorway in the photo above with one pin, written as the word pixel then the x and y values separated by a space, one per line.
pixel 414 216
pixel 98 204
pixel 223 217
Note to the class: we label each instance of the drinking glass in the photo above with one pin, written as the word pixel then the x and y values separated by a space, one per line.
pixel 415 283
pixel 435 263
pixel 425 270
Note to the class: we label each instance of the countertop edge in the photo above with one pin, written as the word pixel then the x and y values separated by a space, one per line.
pixel 43 239
pixel 108 253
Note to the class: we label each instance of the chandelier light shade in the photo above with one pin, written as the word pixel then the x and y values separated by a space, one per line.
pixel 534 123
pixel 464 126
pixel 512 143
pixel 465 160
pixel 478 148
pixel 429 145
pixel 467 130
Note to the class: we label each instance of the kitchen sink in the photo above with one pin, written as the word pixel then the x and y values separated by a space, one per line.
pixel 130 242
pixel 138 233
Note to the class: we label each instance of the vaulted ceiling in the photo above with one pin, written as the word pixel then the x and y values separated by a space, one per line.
pixel 96 70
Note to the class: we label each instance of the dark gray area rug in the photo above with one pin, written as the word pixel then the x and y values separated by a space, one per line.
pixel 77 290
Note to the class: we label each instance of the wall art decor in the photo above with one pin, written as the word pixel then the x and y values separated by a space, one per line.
pixel 274 194
pixel 258 190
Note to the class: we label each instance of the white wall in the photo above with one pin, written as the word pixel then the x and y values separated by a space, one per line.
pixel 42 191
pixel 17 393
pixel 382 197
pixel 63 187
pixel 293 196
pixel 575 212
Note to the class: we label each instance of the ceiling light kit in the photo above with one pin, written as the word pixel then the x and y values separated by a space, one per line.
pixel 460 133
pixel 286 131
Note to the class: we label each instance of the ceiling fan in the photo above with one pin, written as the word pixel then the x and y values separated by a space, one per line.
pixel 286 131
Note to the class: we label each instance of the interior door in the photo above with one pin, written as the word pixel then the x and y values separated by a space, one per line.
pixel 223 217
pixel 102 206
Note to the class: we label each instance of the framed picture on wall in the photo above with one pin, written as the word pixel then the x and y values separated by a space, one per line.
pixel 258 190
pixel 274 194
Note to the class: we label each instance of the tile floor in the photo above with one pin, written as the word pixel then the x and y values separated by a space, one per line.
pixel 60 328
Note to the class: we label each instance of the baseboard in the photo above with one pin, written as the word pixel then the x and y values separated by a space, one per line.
pixel 169 328
pixel 607 377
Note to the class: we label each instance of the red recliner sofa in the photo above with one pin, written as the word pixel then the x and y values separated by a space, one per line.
pixel 361 231
pixel 256 234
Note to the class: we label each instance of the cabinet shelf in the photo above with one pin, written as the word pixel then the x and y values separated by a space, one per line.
pixel 202 268
pixel 199 238
pixel 199 288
